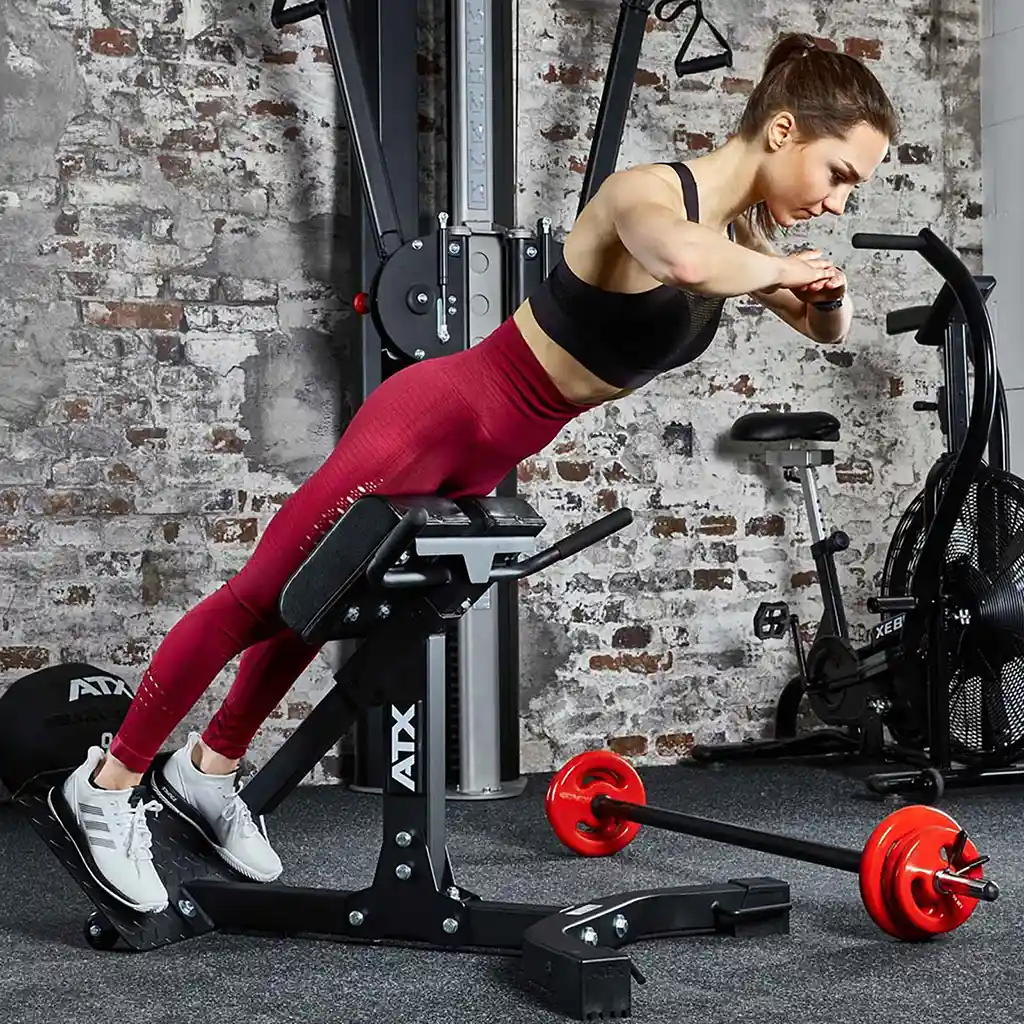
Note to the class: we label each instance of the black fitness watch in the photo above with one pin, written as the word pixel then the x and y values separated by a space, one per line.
pixel 827 307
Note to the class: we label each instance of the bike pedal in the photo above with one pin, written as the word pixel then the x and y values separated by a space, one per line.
pixel 771 620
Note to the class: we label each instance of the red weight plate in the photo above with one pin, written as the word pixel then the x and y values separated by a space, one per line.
pixel 913 893
pixel 569 796
pixel 881 842
pixel 901 925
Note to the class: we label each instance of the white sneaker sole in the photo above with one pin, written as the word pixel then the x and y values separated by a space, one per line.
pixel 85 856
pixel 170 801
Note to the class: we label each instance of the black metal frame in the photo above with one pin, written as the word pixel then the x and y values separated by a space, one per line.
pixel 957 322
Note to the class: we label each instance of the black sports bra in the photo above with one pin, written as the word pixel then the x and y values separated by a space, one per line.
pixel 627 339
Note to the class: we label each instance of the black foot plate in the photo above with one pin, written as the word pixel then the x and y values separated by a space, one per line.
pixel 180 856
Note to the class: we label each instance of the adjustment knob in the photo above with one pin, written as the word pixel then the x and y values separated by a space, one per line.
pixel 840 541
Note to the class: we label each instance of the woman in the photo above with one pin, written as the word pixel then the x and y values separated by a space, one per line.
pixel 645 272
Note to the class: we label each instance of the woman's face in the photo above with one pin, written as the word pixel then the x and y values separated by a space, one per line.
pixel 805 179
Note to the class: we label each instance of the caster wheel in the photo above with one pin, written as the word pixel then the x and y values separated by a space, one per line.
pixel 931 785
pixel 99 932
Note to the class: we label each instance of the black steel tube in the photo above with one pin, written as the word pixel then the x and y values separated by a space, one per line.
pixel 837 857
pixel 618 87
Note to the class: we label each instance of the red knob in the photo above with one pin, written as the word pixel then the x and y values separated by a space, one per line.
pixel 361 303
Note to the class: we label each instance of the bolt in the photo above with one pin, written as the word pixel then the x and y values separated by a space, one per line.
pixel 356 918
pixel 531 252
pixel 417 243
pixel 454 893
pixel 589 936
pixel 419 354
pixel 403 839
pixel 187 907
pixel 351 613
pixel 403 872
pixel 383 611
pixel 450 926
pixel 454 248
pixel 620 924
pixel 422 298
pixel 95 931
pixel 466 605
pixel 452 311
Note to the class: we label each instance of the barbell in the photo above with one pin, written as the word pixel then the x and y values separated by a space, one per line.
pixel 920 874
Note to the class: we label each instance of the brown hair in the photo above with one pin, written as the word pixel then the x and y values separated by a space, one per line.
pixel 828 93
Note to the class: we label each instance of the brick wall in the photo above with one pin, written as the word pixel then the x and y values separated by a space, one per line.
pixel 174 311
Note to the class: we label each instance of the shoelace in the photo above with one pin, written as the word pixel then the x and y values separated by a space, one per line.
pixel 238 810
pixel 140 839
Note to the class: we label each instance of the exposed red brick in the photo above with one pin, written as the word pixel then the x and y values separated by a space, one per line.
pixel 194 139
pixel 807 578
pixel 577 165
pixel 628 746
pixel 530 470
pixel 766 526
pixel 855 471
pixel 76 595
pixel 131 652
pixel 642 663
pixel 284 57
pixel 674 744
pixel 643 77
pixel 737 85
pixel 668 526
pixel 632 636
pixel 571 74
pixel 575 471
pixel 825 44
pixel 275 108
pixel 607 500
pixel 77 410
pixel 741 385
pixel 718 526
pixel 234 531
pixel 226 440
pixel 895 387
pixel 171 531
pixel 23 658
pixel 114 42
pixel 210 108
pixel 696 142
pixel 560 132
pixel 153 316
pixel 119 473
pixel 12 536
pixel 863 49
pixel 712 579
pixel 321 55
pixel 139 436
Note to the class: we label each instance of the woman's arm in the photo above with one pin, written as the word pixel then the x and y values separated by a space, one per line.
pixel 645 211
pixel 824 327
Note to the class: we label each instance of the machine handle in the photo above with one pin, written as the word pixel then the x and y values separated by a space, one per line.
pixel 903 321
pixel 565 548
pixel 698 65
pixel 281 15
pixel 395 543
pixel 913 243
pixel 694 65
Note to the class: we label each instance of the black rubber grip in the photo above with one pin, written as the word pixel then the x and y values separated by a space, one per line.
pixel 698 65
pixel 902 321
pixel 281 15
pixel 863 240
pixel 591 534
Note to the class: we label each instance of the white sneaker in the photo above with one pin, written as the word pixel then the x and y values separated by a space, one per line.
pixel 110 832
pixel 211 805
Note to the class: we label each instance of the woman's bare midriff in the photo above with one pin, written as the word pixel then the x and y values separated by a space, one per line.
pixel 596 254
pixel 575 382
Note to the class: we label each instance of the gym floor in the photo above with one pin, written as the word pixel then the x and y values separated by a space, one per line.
pixel 835 965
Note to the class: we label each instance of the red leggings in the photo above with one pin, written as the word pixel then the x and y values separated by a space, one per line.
pixel 454 426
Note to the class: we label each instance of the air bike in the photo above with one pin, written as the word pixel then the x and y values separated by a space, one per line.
pixel 939 685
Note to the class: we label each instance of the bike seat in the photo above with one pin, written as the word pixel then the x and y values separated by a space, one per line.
pixel 786 426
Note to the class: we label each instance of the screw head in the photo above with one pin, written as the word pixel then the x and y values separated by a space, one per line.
pixel 187 907
pixel 419 354
pixel 620 924
pixel 531 252
pixel 356 918
pixel 454 248
pixel 589 936
pixel 417 243
pixel 351 613
pixel 422 298
pixel 403 872
pixel 383 611
pixel 403 839
pixel 451 926
pixel 454 893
